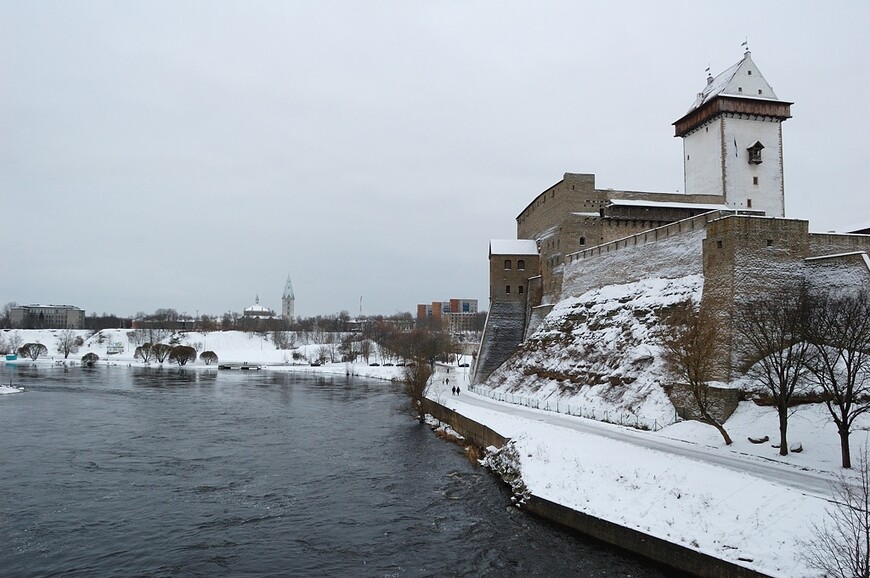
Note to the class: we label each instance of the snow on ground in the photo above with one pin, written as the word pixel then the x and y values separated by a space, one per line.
pixel 230 346
pixel 598 356
pixel 753 519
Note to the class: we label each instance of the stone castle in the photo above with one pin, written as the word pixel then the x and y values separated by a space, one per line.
pixel 728 226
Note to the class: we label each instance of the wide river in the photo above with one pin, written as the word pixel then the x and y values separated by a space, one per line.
pixel 117 471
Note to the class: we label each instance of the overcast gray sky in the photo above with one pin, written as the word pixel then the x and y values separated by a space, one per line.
pixel 193 154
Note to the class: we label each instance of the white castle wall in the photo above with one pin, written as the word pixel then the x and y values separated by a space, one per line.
pixel 667 252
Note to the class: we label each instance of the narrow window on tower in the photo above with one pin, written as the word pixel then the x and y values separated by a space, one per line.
pixel 748 203
pixel 754 180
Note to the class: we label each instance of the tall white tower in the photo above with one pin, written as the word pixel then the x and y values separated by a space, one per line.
pixel 288 301
pixel 732 141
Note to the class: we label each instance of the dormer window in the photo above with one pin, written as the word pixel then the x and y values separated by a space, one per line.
pixel 755 153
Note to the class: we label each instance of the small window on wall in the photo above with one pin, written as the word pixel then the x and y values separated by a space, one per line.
pixel 748 203
pixel 754 180
pixel 507 264
pixel 520 289
pixel 755 153
pixel 582 241
pixel 521 264
pixel 507 289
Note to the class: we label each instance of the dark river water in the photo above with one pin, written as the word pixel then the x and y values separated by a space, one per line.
pixel 117 471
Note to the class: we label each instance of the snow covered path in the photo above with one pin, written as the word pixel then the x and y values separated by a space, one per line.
pixel 804 480
pixel 748 509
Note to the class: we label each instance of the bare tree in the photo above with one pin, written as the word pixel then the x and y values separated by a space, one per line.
pixel 282 339
pixel 143 352
pixel 415 384
pixel 839 331
pixel 321 354
pixel 68 342
pixel 32 350
pixel 160 351
pixel 690 346
pixel 208 357
pixel 365 349
pixel 182 354
pixel 840 544
pixel 15 341
pixel 775 351
pixel 5 319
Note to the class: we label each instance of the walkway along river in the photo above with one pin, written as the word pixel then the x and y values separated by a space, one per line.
pixel 167 472
pixel 678 557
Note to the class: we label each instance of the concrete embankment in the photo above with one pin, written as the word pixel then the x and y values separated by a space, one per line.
pixel 653 548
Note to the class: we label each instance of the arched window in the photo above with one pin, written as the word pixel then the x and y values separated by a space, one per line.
pixel 507 264
pixel 521 264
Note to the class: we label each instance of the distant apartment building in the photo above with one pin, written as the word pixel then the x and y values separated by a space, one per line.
pixel 47 317
pixel 457 314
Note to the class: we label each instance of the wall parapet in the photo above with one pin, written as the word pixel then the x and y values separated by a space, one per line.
pixel 649 236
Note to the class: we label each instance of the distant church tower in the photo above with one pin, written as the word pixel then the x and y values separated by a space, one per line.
pixel 288 301
pixel 732 141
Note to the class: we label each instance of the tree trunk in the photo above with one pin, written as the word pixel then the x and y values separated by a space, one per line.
pixel 719 427
pixel 783 427
pixel 724 433
pixel 844 447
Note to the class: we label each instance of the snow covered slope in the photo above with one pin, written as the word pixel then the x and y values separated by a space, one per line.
pixel 599 352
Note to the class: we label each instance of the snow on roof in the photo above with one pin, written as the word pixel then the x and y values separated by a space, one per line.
pixel 664 204
pixel 726 84
pixel 513 247
pixel 835 256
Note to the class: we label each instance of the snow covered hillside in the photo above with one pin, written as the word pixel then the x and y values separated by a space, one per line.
pixel 598 353
pixel 230 346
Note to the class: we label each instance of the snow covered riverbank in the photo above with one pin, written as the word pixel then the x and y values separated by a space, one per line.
pixel 744 503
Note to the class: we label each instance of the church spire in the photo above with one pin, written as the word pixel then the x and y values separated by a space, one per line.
pixel 288 302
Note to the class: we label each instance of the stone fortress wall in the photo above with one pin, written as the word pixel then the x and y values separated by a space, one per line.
pixel 573 215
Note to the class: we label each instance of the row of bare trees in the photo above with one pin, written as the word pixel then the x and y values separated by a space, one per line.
pixel 796 343
pixel 179 354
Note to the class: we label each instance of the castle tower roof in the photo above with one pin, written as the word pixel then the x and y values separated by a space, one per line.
pixel 741 89
pixel 288 289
